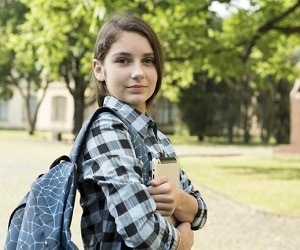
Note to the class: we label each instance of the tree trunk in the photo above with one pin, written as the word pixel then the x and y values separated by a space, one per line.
pixel 79 105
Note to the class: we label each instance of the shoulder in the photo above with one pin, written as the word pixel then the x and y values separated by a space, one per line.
pixel 109 118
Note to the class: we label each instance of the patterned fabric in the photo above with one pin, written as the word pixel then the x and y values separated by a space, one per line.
pixel 42 219
pixel 114 171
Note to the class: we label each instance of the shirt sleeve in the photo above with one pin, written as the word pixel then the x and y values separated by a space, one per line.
pixel 110 161
pixel 186 184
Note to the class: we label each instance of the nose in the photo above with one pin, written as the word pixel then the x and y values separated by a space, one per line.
pixel 137 71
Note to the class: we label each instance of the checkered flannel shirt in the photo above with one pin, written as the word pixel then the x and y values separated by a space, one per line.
pixel 118 211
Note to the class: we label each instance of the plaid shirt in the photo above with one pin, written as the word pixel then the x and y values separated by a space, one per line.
pixel 118 211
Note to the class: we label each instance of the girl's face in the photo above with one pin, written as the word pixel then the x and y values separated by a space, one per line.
pixel 129 70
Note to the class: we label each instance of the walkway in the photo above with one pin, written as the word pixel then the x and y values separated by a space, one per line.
pixel 230 225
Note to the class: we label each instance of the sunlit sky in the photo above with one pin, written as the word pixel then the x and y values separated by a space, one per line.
pixel 225 9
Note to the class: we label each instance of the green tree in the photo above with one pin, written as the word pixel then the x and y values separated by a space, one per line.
pixel 19 71
pixel 60 30
pixel 64 33
pixel 243 49
pixel 274 111
pixel 11 14
pixel 252 47
pixel 211 109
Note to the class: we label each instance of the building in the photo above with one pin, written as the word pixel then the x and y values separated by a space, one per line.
pixel 57 109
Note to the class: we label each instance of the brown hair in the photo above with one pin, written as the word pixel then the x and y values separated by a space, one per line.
pixel 111 31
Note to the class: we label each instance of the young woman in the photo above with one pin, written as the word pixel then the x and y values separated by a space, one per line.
pixel 123 208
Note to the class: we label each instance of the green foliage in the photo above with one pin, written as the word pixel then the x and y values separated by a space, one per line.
pixel 54 41
pixel 11 14
pixel 273 111
pixel 254 50
pixel 211 109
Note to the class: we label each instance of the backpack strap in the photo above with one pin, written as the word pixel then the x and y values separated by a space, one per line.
pixel 81 137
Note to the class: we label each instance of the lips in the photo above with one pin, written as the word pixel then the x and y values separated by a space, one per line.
pixel 137 88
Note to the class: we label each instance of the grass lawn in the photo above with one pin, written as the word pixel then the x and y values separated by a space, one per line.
pixel 268 183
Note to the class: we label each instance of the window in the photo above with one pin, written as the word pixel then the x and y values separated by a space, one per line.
pixel 59 108
pixel 165 112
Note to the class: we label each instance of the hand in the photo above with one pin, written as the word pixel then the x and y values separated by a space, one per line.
pixel 165 195
pixel 186 236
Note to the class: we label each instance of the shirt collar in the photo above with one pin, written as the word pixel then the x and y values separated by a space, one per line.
pixel 138 120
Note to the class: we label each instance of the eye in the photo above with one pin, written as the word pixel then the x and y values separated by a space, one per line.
pixel 149 60
pixel 123 60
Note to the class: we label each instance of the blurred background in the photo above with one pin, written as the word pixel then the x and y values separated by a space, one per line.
pixel 230 103
pixel 230 65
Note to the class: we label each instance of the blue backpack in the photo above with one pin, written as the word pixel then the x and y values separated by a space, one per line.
pixel 43 218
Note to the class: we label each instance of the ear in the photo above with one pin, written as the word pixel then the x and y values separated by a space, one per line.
pixel 98 69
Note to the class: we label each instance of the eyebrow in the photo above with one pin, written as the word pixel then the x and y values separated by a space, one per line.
pixel 129 54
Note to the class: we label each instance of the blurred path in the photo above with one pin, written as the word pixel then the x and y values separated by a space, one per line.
pixel 230 225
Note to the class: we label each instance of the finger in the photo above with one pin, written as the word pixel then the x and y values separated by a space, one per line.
pixel 159 180
pixel 165 211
